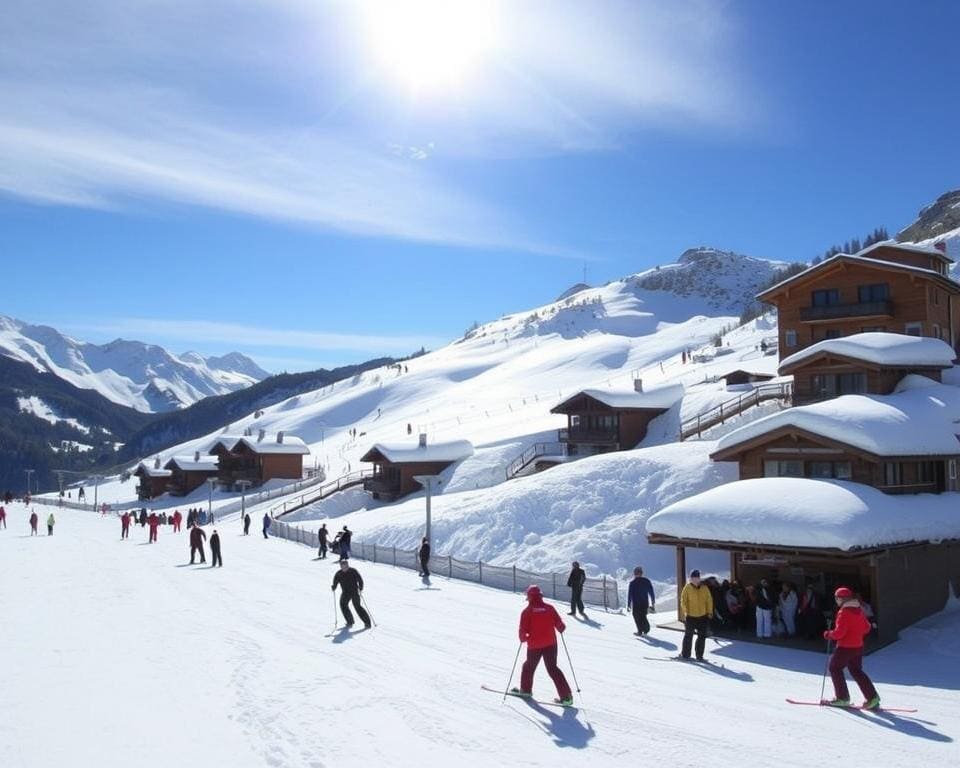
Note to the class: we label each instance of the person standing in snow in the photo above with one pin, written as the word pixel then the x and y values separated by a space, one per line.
pixel 33 523
pixel 216 559
pixel 322 536
pixel 197 536
pixel 154 522
pixel 696 608
pixel 345 535
pixel 351 585
pixel 763 595
pixel 788 608
pixel 266 524
pixel 50 524
pixel 3 517
pixel 424 556
pixel 246 524
pixel 124 525
pixel 539 624
pixel 641 600
pixel 177 519
pixel 576 580
pixel 143 517
pixel 852 626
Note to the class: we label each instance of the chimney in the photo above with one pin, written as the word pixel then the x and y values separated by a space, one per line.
pixel 638 385
pixel 196 456
pixel 941 246
pixel 423 439
pixel 260 435
pixel 156 463
pixel 280 437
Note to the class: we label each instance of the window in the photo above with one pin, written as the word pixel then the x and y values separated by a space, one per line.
pixel 867 294
pixel 839 470
pixel 827 297
pixel 790 338
pixel 774 468
pixel 575 420
pixel 842 470
pixel 832 333
pixel 873 329
pixel 936 296
pixel 892 473
pixel 936 331
pixel 925 472
pixel 851 383
pixel 913 329
pixel 953 469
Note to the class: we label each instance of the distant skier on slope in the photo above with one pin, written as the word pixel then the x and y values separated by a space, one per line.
pixel 322 536
pixel 641 600
pixel 696 607
pixel 246 524
pixel 424 556
pixel 851 627
pixel 33 523
pixel 177 520
pixel 197 536
pixel 143 517
pixel 50 523
pixel 576 580
pixel 351 585
pixel 215 558
pixel 266 524
pixel 539 623
pixel 154 522
pixel 124 525
pixel 3 517
pixel 345 536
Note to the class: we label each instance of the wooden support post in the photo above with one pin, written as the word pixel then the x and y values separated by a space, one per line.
pixel 681 575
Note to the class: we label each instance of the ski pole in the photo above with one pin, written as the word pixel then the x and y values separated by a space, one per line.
pixel 512 670
pixel 572 670
pixel 364 601
pixel 826 665
pixel 335 622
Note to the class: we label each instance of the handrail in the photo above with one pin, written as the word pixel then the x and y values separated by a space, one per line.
pixel 718 414
pixel 328 489
pixel 533 452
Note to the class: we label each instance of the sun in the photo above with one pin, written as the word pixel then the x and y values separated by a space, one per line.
pixel 430 45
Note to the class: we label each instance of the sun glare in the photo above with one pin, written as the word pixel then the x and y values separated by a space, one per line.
pixel 431 44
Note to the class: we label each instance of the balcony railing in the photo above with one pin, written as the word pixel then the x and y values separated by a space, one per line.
pixel 377 485
pixel 588 436
pixel 837 311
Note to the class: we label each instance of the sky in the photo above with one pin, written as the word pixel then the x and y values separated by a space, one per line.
pixel 316 183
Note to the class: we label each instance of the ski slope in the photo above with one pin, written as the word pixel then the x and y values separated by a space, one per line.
pixel 117 653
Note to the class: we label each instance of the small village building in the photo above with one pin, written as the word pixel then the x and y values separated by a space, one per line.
pixel 604 420
pixel 888 287
pixel 901 553
pixel 396 464
pixel 257 460
pixel 865 363
pixel 153 479
pixel 743 376
pixel 187 473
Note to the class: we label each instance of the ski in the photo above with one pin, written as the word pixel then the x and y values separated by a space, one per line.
pixel 859 708
pixel 706 662
pixel 529 698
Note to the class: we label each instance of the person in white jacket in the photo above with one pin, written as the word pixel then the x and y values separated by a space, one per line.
pixel 788 608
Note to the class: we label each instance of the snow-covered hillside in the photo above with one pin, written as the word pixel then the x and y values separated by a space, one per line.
pixel 143 376
pixel 936 223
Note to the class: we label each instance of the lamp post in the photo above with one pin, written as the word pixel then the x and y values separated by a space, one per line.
pixel 244 484
pixel 29 473
pixel 429 482
pixel 96 489
pixel 211 481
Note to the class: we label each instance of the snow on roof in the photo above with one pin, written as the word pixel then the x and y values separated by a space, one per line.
pixel 405 453
pixel 889 349
pixel 191 463
pixel 290 444
pixel 917 421
pixel 659 397
pixel 791 511
pixel 926 249
pixel 150 471
pixel 228 441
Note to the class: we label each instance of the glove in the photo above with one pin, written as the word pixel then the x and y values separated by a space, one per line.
pixel 333 588
pixel 826 634
pixel 653 609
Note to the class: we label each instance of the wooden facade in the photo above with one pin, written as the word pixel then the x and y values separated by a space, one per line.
pixel 746 377
pixel 185 479
pixel 887 291
pixel 152 483
pixel 595 427
pixel 393 480
pixel 240 460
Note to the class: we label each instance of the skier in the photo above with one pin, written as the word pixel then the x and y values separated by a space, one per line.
pixel 246 524
pixel 3 517
pixel 539 623
pixel 50 523
pixel 177 519
pixel 850 629
pixel 216 559
pixel 33 523
pixel 322 536
pixel 641 599
pixel 197 535
pixel 266 524
pixel 575 581
pixel 345 537
pixel 143 517
pixel 424 555
pixel 351 585
pixel 154 523
pixel 696 606
pixel 124 525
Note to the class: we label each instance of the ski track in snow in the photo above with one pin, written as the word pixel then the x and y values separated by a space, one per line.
pixel 116 653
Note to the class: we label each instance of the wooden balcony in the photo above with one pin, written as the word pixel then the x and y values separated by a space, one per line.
pixel 591 436
pixel 822 314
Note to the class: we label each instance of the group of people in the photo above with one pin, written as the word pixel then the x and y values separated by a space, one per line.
pixel 197 537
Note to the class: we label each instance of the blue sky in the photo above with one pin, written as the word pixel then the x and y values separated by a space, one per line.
pixel 315 183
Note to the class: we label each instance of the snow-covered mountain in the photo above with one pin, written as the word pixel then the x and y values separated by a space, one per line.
pixel 143 376
pixel 938 222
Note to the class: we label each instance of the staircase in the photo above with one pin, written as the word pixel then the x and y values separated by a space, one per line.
pixel 327 489
pixel 530 455
pixel 700 423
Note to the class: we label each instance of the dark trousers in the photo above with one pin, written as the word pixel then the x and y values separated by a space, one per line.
pixel 852 659
pixel 215 556
pixel 344 551
pixel 576 599
pixel 323 548
pixel 153 534
pixel 246 527
pixel 124 531
pixel 640 611
pixel 49 530
pixel 549 656
pixel 424 566
pixel 700 625
pixel 265 533
pixel 194 550
pixel 353 597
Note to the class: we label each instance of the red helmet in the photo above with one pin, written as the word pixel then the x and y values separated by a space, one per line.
pixel 843 593
pixel 533 591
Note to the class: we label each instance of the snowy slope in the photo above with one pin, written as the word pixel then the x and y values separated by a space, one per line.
pixel 145 661
pixel 938 222
pixel 142 376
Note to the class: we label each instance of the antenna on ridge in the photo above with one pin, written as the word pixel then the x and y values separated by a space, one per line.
pixel 584 272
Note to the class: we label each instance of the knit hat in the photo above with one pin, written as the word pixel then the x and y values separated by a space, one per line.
pixel 843 593
pixel 694 574
pixel 533 591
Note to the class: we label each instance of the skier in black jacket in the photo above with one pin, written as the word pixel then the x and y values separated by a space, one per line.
pixel 424 555
pixel 576 580
pixel 197 535
pixel 246 524
pixel 345 536
pixel 351 585
pixel 216 559
pixel 641 599
pixel 322 535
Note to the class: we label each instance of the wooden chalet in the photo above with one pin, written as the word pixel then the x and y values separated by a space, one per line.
pixel 153 479
pixel 865 363
pixel 604 420
pixel 888 287
pixel 187 473
pixel 259 459
pixel 742 376
pixel 395 465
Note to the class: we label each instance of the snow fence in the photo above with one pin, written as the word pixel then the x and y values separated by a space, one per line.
pixel 601 591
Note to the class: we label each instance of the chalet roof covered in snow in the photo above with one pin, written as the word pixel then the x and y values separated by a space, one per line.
pixel 407 453
pixel 895 350
pixel 921 419
pixel 929 250
pixel 192 463
pixel 280 443
pixel 659 398
pixel 148 469
pixel 227 441
pixel 798 512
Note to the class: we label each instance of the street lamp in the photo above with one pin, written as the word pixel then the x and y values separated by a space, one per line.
pixel 96 489
pixel 29 473
pixel 429 482
pixel 211 481
pixel 244 484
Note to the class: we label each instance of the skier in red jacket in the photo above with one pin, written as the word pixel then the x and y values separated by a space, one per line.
pixel 177 519
pixel 33 523
pixel 3 517
pixel 851 627
pixel 154 522
pixel 124 525
pixel 538 625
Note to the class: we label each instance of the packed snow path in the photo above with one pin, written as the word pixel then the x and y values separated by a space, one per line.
pixel 117 653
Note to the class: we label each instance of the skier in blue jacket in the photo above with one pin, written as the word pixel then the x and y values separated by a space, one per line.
pixel 641 599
